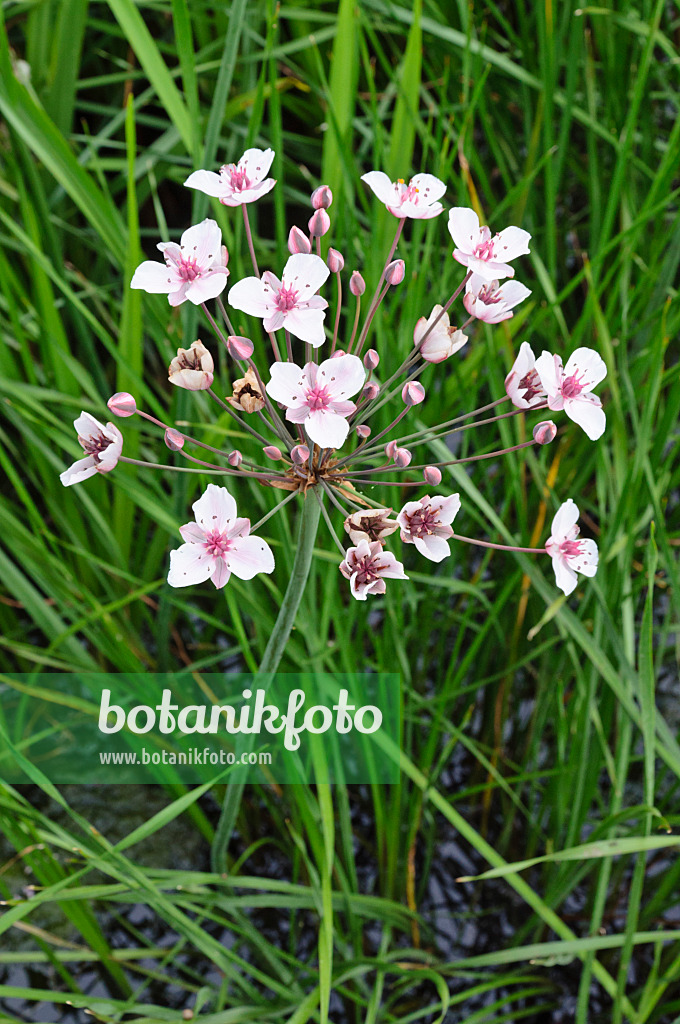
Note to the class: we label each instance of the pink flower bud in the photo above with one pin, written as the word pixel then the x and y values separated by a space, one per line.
pixel 370 391
pixel 544 432
pixel 319 223
pixel 338 352
pixel 336 261
pixel 174 440
pixel 122 404
pixel 235 458
pixel 363 430
pixel 298 242
pixel 391 449
pixel 395 272
pixel 402 457
pixel 413 393
pixel 322 197
pixel 371 359
pixel 357 285
pixel 272 452
pixel 238 347
pixel 432 475
pixel 300 454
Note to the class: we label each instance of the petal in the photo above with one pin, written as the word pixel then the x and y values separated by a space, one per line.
pixel 215 509
pixel 463 228
pixel 274 321
pixel 221 573
pixel 256 164
pixel 307 325
pixel 565 577
pixel 489 269
pixel 209 285
pixel 564 521
pixel 206 181
pixel 288 384
pixel 79 471
pixel 587 561
pixel 511 243
pixel 549 369
pixel 326 428
pixel 448 507
pixel 88 426
pixel 343 376
pixel 248 296
pixel 152 277
pixel 418 211
pixel 305 273
pixel 204 241
pixel 192 533
pixel 190 564
pixel 514 292
pixel 433 547
pixel 380 185
pixel 390 568
pixel 248 556
pixel 586 410
pixel 249 195
pixel 430 189
pixel 588 365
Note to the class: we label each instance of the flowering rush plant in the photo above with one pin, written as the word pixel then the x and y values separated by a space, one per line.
pixel 309 406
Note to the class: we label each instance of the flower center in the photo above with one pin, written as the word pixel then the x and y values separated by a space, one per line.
pixel 531 383
pixel 490 293
pixel 368 569
pixel 423 522
pixel 239 178
pixel 95 445
pixel 484 250
pixel 572 386
pixel 187 268
pixel 317 398
pixel 571 548
pixel 217 544
pixel 286 298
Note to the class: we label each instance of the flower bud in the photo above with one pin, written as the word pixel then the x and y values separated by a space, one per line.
pixel 413 393
pixel 192 368
pixel 122 404
pixel 432 475
pixel 371 359
pixel 319 223
pixel 402 457
pixel 235 458
pixel 298 242
pixel 363 430
pixel 336 261
pixel 300 454
pixel 322 197
pixel 370 391
pixel 174 440
pixel 338 352
pixel 395 272
pixel 357 285
pixel 238 347
pixel 272 452
pixel 246 395
pixel 391 449
pixel 544 432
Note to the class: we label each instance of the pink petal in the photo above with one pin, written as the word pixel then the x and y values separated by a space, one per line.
pixel 203 241
pixel 588 365
pixel 249 556
pixel 190 564
pixel 514 292
pixel 274 321
pixel 215 509
pixel 306 273
pixel 449 507
pixel 489 269
pixel 206 181
pixel 152 277
pixel 247 295
pixel 429 188
pixel 326 428
pixel 511 243
pixel 586 410
pixel 288 384
pixel 209 285
pixel 564 576
pixel 256 163
pixel 79 471
pixel 250 195
pixel 417 211
pixel 463 228
pixel 380 185
pixel 433 547
pixel 343 376
pixel 221 573
pixel 549 369
pixel 192 533
pixel 307 325
pixel 564 521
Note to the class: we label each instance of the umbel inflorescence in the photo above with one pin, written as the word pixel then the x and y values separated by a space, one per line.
pixel 309 412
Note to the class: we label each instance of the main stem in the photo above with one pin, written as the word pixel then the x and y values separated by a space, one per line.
pixel 309 523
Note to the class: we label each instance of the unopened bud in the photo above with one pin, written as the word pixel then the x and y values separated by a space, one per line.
pixel 238 347
pixel 338 352
pixel 371 359
pixel 319 223
pixel 235 458
pixel 322 197
pixel 413 393
pixel 370 391
pixel 122 404
pixel 272 452
pixel 395 272
pixel 432 475
pixel 300 454
pixel 174 440
pixel 363 430
pixel 544 432
pixel 357 285
pixel 336 261
pixel 402 457
pixel 391 449
pixel 298 241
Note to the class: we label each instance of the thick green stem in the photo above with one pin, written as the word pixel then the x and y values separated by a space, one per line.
pixel 309 522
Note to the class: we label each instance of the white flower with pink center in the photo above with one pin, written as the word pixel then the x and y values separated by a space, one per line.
pixel 217 544
pixel 102 446
pixel 317 396
pixel 523 384
pixel 570 555
pixel 291 303
pixel 441 339
pixel 239 183
pixel 427 524
pixel 367 566
pixel 481 252
pixel 196 269
pixel 486 301
pixel 570 387
pixel 418 199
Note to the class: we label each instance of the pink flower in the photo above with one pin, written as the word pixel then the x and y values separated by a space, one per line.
pixel 569 387
pixel 196 269
pixel 102 444
pixel 192 368
pixel 427 524
pixel 486 301
pixel 239 183
pixel 442 341
pixel 367 566
pixel 217 544
pixel 478 251
pixel 523 384
pixel 317 396
pixel 290 303
pixel 568 554
pixel 418 199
